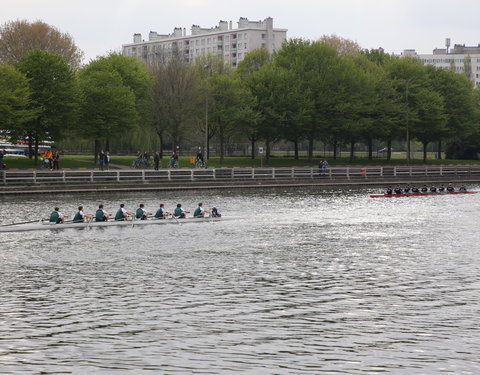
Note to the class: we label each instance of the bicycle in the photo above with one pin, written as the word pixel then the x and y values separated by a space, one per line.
pixel 199 163
pixel 140 163
pixel 45 164
pixel 173 163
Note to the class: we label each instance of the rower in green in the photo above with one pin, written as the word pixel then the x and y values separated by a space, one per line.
pixel 161 212
pixel 56 217
pixel 80 216
pixel 200 211
pixel 141 213
pixel 179 212
pixel 122 214
pixel 101 214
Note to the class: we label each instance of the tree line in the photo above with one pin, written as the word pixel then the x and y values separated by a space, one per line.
pixel 328 90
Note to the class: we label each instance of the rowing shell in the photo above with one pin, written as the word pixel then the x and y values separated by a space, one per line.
pixel 419 194
pixel 101 224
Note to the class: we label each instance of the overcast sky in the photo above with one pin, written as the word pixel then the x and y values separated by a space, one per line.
pixel 101 26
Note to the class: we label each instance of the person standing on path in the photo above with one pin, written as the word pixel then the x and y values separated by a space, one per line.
pixel 101 160
pixel 156 160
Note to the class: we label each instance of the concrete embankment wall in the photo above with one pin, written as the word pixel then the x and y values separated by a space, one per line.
pixel 71 181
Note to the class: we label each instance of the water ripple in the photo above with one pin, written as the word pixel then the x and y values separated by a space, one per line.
pixel 326 282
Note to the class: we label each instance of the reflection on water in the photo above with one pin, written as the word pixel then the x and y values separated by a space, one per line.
pixel 301 282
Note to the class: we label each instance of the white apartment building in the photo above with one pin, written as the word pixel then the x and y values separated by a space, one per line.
pixel 232 44
pixel 462 59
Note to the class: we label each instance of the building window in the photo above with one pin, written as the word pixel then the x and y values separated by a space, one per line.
pixel 245 46
pixel 203 42
pixel 264 36
pixel 209 41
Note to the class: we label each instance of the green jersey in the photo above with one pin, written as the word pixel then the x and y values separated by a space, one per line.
pixel 99 215
pixel 139 213
pixel 178 211
pixel 78 218
pixel 54 216
pixel 119 215
pixel 198 212
pixel 159 214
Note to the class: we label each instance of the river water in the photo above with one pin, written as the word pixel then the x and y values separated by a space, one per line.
pixel 299 281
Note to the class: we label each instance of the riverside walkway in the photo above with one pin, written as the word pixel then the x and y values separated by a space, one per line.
pixel 24 182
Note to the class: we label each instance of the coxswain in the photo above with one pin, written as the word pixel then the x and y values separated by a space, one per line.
pixel 407 189
pixel 441 188
pixel 101 214
pixel 141 213
pixel 398 190
pixel 414 189
pixel 56 217
pixel 161 212
pixel 424 189
pixel 200 211
pixel 433 189
pixel 179 212
pixel 389 191
pixel 450 188
pixel 80 216
pixel 462 189
pixel 216 212
pixel 122 214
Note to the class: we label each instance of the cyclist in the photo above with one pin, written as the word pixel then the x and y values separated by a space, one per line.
pixel 174 160
pixel 199 160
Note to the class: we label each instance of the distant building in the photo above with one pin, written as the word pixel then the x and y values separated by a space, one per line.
pixel 461 58
pixel 231 44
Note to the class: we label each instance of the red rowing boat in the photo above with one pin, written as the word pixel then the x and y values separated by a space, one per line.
pixel 420 194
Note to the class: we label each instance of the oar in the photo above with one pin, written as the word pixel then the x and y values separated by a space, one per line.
pixel 23 222
pixel 173 216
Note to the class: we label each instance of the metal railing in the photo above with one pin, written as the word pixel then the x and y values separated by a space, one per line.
pixel 16 178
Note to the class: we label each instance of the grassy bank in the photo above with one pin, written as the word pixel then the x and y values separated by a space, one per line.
pixel 86 162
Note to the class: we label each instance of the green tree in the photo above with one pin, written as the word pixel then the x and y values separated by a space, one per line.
pixel 229 107
pixel 53 97
pixel 265 87
pixel 134 74
pixel 316 66
pixel 252 62
pixel 388 105
pixel 14 100
pixel 428 120
pixel 459 103
pixel 107 106
pixel 409 79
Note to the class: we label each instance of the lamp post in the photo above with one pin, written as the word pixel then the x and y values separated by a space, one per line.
pixel 408 133
pixel 206 67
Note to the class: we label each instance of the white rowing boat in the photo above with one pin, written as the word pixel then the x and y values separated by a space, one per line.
pixel 44 225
